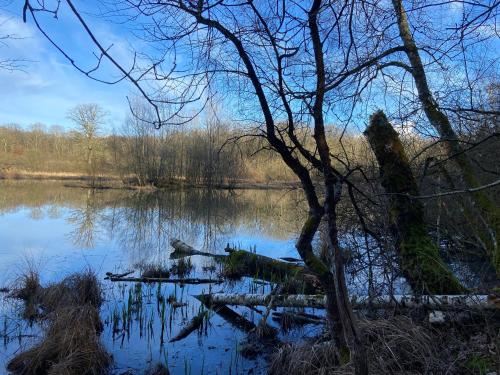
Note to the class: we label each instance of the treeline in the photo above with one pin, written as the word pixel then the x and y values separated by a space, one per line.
pixel 140 153
pixel 213 154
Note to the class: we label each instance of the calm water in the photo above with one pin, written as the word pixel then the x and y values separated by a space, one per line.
pixel 61 230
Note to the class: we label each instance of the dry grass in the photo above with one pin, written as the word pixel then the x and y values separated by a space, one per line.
pixel 293 359
pixel 69 313
pixel 155 270
pixel 20 174
pixel 399 346
pixel 182 267
pixel 29 293
pixel 71 346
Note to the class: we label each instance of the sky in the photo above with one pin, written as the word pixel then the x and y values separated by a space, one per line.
pixel 48 86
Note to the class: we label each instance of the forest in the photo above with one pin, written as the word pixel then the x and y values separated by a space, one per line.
pixel 298 188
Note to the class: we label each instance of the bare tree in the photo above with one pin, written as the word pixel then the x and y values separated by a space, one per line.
pixel 88 118
pixel 287 68
pixel 441 122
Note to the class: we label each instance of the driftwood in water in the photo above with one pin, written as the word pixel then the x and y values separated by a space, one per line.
pixel 290 318
pixel 192 326
pixel 115 275
pixel 182 250
pixel 167 280
pixel 419 256
pixel 261 266
pixel 245 263
pixel 228 314
pixel 443 302
pixel 279 300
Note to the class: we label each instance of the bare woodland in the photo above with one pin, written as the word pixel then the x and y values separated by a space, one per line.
pixel 384 113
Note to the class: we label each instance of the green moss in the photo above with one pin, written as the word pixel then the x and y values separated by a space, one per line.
pixel 423 265
pixel 419 256
pixel 345 355
pixel 479 364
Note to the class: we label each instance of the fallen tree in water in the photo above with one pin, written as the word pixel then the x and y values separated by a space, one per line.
pixel 183 250
pixel 442 302
pixel 193 325
pixel 229 315
pixel 245 263
pixel 166 280
pixel 72 325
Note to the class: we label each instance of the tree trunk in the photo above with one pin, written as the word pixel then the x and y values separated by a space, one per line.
pixel 441 302
pixel 440 121
pixel 419 256
pixel 245 263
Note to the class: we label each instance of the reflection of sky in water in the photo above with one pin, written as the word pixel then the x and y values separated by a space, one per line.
pixel 61 231
pixel 63 237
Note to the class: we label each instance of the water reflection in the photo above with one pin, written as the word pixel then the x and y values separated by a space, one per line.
pixel 115 229
pixel 110 230
pixel 142 223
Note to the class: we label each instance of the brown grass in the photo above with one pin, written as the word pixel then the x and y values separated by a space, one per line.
pixel 293 359
pixel 20 174
pixel 159 369
pixel 400 346
pixel 155 270
pixel 70 317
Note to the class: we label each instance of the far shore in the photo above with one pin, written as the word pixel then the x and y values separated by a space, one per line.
pixel 77 180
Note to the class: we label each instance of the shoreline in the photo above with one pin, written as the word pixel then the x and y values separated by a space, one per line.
pixel 76 180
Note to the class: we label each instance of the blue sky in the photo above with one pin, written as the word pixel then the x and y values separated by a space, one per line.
pixel 48 87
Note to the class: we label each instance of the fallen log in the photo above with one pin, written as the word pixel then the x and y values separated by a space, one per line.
pixel 250 300
pixel 240 263
pixel 192 326
pixel 229 315
pixel 262 266
pixel 443 302
pixel 111 274
pixel 233 318
pixel 291 260
pixel 182 250
pixel 166 280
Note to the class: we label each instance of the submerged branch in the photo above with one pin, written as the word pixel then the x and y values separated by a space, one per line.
pixel 166 280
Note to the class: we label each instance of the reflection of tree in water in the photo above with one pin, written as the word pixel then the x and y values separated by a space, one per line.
pixel 144 223
pixel 86 221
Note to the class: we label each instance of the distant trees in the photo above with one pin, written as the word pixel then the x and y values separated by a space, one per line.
pixel 39 149
pixel 88 119
pixel 289 67
pixel 197 154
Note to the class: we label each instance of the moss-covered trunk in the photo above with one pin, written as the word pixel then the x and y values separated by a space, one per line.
pixel 419 256
pixel 489 230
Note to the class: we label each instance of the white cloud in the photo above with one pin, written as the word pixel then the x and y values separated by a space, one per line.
pixel 48 86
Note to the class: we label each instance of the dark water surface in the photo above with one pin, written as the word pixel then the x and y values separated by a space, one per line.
pixel 60 230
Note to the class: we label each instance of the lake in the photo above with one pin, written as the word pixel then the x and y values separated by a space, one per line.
pixel 59 230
